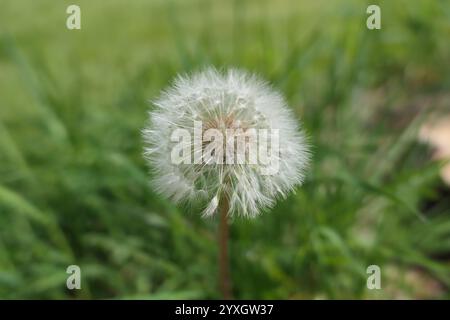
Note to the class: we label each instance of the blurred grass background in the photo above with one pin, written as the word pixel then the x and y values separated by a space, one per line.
pixel 74 186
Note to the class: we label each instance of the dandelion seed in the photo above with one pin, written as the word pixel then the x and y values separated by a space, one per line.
pixel 223 101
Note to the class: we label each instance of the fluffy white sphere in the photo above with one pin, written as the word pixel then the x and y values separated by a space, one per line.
pixel 231 100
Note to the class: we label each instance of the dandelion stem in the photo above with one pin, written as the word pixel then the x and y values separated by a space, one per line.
pixel 224 263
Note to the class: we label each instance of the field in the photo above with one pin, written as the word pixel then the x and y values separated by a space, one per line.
pixel 74 187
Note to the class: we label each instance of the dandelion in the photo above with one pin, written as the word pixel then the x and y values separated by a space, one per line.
pixel 226 140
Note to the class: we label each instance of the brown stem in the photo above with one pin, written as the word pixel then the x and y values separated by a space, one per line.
pixel 224 264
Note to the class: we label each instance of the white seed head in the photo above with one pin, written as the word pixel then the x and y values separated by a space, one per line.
pixel 223 101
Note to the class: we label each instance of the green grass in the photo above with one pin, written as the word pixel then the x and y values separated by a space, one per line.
pixel 74 186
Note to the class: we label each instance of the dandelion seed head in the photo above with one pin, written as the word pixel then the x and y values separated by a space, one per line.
pixel 230 100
